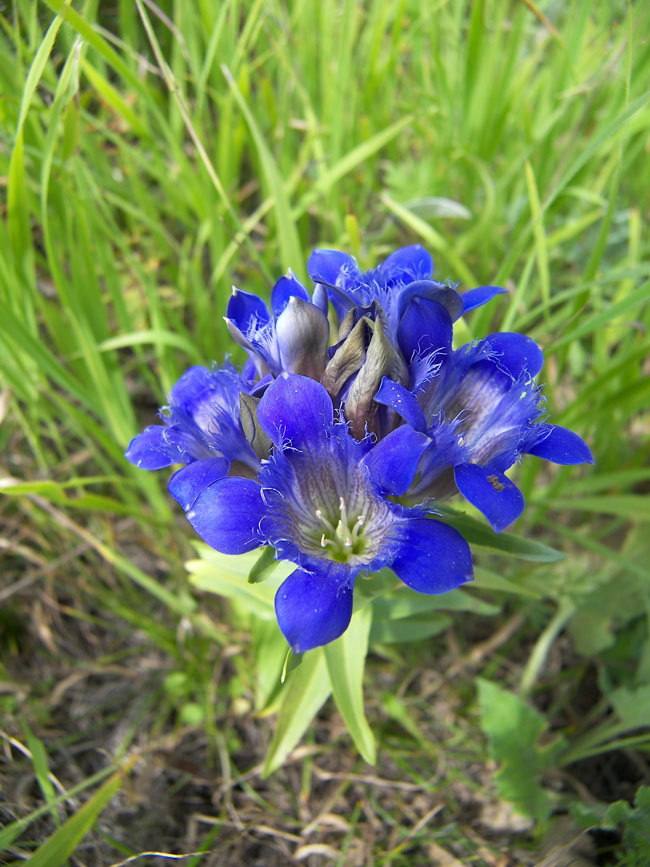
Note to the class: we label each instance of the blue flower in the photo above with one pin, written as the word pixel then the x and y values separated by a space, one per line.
pixel 293 338
pixel 404 289
pixel 482 410
pixel 321 502
pixel 201 429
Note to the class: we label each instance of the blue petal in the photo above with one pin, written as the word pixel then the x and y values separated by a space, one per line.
pixel 408 263
pixel 424 328
pixel 393 461
pixel 188 482
pixel 286 288
pixel 433 557
pixel 320 298
pixel 157 447
pixel 325 266
pixel 433 291
pixel 492 493
pixel 296 409
pixel 193 385
pixel 227 514
pixel 516 353
pixel 562 446
pixel 244 309
pixel 403 401
pixel 313 609
pixel 480 296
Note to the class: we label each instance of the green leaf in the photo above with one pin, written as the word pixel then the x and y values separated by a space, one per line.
pixel 513 729
pixel 58 848
pixel 346 658
pixel 269 652
pixel 290 249
pixel 634 507
pixel 477 533
pixel 489 580
pixel 636 827
pixel 305 692
pixel 405 602
pixel 263 566
pixel 632 706
pixel 41 769
pixel 408 629
pixel 227 575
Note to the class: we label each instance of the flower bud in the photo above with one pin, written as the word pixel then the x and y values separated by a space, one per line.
pixel 303 334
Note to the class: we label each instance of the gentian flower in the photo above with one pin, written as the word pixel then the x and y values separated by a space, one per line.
pixel 482 410
pixel 402 286
pixel 308 449
pixel 320 501
pixel 201 429
pixel 292 338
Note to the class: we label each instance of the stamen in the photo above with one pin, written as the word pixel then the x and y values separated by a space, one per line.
pixel 324 520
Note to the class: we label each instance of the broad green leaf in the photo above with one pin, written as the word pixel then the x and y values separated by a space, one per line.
pixel 477 533
pixel 408 629
pixel 227 575
pixel 513 729
pixel 305 692
pixel 632 705
pixel 405 602
pixel 346 659
pixel 489 580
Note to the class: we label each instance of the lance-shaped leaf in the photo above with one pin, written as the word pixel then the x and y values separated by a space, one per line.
pixel 346 659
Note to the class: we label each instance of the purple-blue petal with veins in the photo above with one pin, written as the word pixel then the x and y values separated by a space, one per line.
pixel 313 609
pixel 562 446
pixel 424 328
pixel 432 557
pixel 404 402
pixel 516 353
pixel 295 409
pixel 158 447
pixel 325 266
pixel 493 494
pixel 408 264
pixel 187 483
pixel 287 287
pixel 246 309
pixel 480 296
pixel 227 515
pixel 393 461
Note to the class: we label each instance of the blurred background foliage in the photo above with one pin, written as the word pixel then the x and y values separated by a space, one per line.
pixel 151 155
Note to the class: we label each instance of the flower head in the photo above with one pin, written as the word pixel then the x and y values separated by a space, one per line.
pixel 314 450
pixel 482 411
pixel 402 287
pixel 201 429
pixel 321 501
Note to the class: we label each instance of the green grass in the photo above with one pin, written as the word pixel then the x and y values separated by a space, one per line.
pixel 152 157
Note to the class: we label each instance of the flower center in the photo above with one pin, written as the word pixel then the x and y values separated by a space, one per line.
pixel 345 538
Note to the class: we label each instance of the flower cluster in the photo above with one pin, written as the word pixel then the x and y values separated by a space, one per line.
pixel 351 419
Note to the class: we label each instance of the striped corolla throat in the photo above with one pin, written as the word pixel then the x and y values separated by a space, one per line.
pixel 326 507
